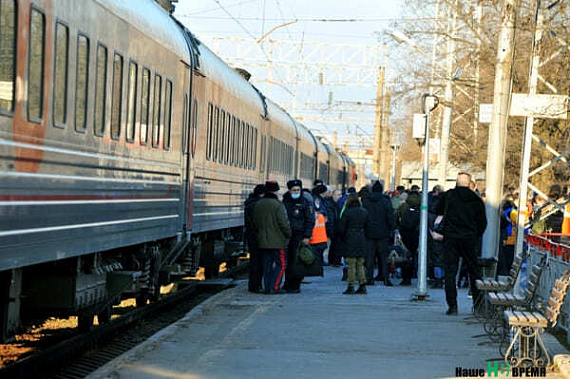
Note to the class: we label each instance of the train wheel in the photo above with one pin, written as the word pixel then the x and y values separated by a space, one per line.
pixel 210 272
pixel 105 316
pixel 85 322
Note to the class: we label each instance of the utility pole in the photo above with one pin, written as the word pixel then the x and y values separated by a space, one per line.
pixel 498 128
pixel 385 139
pixel 448 103
pixel 379 109
pixel 528 129
pixel 478 16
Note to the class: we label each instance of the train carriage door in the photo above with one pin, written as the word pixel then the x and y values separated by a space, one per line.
pixel 187 148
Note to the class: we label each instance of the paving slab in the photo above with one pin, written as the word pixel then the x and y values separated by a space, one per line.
pixel 318 333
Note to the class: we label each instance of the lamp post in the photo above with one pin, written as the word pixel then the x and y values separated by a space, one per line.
pixel 395 148
pixel 429 103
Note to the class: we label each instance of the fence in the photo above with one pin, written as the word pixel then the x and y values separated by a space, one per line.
pixel 558 261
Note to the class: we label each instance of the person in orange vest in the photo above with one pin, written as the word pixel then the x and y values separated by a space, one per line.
pixel 319 240
pixel 566 224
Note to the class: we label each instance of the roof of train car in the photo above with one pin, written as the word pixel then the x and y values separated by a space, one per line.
pixel 149 18
pixel 278 114
pixel 305 133
pixel 220 73
pixel 332 151
pixel 321 146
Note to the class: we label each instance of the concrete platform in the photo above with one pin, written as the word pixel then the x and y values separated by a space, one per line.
pixel 319 333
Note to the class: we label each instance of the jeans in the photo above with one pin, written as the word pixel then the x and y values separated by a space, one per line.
pixel 376 248
pixel 273 268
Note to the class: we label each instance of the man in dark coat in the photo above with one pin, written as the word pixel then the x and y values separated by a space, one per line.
pixel 273 231
pixel 255 257
pixel 301 219
pixel 381 226
pixel 353 224
pixel 464 223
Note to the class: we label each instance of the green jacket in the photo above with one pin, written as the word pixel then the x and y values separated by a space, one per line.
pixel 271 222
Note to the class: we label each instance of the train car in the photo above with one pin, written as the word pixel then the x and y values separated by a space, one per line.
pixel 281 142
pixel 91 130
pixel 335 164
pixel 322 161
pixel 306 150
pixel 231 117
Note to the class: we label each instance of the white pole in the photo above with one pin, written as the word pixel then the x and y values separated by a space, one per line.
pixel 498 129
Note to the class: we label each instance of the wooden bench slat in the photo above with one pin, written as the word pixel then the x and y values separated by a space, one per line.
pixel 554 304
pixel 557 294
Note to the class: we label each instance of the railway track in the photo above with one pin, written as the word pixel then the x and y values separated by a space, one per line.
pixel 82 354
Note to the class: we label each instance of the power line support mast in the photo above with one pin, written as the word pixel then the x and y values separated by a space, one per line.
pixel 448 105
pixel 378 121
pixel 385 139
pixel 498 128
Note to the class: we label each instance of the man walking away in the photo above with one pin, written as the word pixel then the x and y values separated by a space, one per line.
pixel 408 217
pixel 270 220
pixel 353 224
pixel 465 222
pixel 302 220
pixel 382 224
pixel 255 257
pixel 335 253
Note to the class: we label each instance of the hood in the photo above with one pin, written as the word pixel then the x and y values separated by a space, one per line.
pixel 375 197
pixel 414 200
pixel 466 194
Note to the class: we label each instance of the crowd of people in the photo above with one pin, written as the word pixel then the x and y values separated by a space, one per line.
pixel 367 229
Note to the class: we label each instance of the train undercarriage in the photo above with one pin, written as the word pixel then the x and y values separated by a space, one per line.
pixel 90 285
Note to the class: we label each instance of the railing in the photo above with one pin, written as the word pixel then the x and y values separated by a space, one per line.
pixel 558 262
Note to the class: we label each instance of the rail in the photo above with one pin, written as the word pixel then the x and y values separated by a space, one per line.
pixel 558 262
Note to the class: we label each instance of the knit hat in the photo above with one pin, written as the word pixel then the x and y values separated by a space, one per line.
pixel 271 186
pixel 259 189
pixel 294 183
pixel 377 187
pixel 351 190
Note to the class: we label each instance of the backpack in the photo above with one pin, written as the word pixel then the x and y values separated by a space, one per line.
pixel 410 219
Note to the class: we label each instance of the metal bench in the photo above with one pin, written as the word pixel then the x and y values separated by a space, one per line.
pixel 501 301
pixel 526 346
pixel 485 286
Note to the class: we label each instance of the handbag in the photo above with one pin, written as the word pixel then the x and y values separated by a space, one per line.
pixel 305 254
pixel 399 253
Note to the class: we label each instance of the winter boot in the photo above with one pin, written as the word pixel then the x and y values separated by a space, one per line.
pixel 349 291
pixel 361 290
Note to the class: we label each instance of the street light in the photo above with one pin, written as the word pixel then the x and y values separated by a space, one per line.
pixel 450 76
pixel 429 103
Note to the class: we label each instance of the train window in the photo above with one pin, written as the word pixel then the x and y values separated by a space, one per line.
pixel 228 138
pixel 222 136
pixel 254 148
pixel 36 66
pixel 117 98
pixel 145 105
pixel 100 89
pixel 81 82
pixel 131 101
pixel 167 113
pixel 216 133
pixel 245 145
pixel 250 150
pixel 60 75
pixel 233 142
pixel 157 107
pixel 210 131
pixel 194 126
pixel 7 54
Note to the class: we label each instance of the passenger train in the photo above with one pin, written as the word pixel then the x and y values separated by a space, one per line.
pixel 127 151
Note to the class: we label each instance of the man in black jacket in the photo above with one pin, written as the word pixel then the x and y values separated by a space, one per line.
pixel 255 257
pixel 302 220
pixel 464 223
pixel 382 224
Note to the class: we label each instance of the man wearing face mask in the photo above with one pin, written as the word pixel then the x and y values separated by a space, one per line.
pixel 302 220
